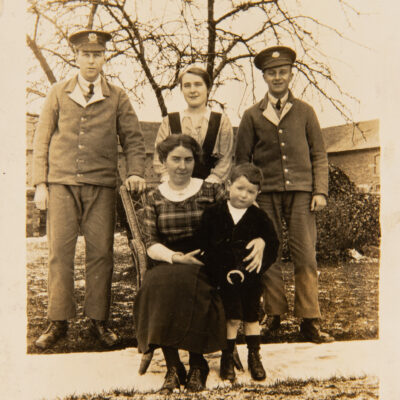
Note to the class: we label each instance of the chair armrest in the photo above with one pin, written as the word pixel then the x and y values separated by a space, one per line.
pixel 132 204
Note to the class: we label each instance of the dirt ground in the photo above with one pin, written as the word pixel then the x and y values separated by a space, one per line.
pixel 348 299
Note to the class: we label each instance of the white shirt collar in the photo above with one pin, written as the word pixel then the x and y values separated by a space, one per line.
pixel 179 195
pixel 84 84
pixel 236 213
pixel 274 99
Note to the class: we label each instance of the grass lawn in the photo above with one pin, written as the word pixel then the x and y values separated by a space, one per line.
pixel 348 299
pixel 364 388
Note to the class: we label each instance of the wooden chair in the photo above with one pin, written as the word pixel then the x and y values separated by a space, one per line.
pixel 133 205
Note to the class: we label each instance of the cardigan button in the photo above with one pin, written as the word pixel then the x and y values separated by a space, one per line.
pixel 283 144
pixel 280 131
pixel 283 157
pixel 287 182
pixel 80 146
pixel 286 170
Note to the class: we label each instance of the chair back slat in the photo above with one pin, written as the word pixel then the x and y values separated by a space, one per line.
pixel 134 210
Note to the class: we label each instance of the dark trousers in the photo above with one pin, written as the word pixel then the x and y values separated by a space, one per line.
pixel 89 210
pixel 294 208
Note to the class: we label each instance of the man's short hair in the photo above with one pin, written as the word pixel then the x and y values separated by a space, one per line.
pixel 252 173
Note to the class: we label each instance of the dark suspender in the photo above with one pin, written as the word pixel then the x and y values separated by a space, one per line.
pixel 201 170
pixel 175 122
pixel 212 132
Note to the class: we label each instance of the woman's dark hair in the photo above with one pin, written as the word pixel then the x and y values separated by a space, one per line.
pixel 201 72
pixel 175 140
pixel 252 173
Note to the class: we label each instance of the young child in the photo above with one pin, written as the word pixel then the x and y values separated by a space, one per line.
pixel 229 230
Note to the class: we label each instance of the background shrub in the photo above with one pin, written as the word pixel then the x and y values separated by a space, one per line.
pixel 349 221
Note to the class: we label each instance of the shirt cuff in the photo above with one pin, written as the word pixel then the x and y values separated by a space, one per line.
pixel 159 252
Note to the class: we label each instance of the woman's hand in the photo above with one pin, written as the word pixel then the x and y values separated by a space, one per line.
pixel 188 258
pixel 256 255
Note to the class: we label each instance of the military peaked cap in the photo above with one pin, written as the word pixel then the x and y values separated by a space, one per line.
pixel 274 57
pixel 90 40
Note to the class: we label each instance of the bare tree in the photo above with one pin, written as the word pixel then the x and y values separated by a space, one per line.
pixel 154 40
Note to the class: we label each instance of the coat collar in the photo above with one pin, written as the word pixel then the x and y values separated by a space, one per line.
pixel 269 111
pixel 75 93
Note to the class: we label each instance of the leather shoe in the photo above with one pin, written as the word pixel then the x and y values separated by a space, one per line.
pixel 311 331
pixel 227 367
pixel 197 378
pixel 171 381
pixel 254 363
pixel 272 323
pixel 106 336
pixel 55 331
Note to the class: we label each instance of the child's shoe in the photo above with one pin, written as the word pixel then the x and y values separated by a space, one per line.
pixel 255 366
pixel 227 366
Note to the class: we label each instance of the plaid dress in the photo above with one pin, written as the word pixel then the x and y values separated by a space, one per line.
pixel 176 305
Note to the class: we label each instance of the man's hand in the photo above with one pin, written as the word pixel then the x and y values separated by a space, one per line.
pixel 256 255
pixel 41 196
pixel 188 258
pixel 135 183
pixel 318 202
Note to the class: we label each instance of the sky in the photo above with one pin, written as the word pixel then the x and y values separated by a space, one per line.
pixel 355 61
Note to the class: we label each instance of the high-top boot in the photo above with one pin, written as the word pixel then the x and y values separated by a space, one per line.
pixel 254 359
pixel 176 373
pixel 227 365
pixel 198 373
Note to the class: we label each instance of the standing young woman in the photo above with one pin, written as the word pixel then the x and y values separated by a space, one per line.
pixel 212 130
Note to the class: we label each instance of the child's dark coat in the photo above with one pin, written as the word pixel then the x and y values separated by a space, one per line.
pixel 224 243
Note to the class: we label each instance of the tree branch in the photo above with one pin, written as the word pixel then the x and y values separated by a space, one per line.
pixel 42 61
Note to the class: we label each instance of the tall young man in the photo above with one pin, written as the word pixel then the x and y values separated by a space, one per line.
pixel 75 171
pixel 281 135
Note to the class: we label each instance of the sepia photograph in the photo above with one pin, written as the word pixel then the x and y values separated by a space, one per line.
pixel 200 199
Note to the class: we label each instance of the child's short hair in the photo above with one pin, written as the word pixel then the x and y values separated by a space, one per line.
pixel 253 174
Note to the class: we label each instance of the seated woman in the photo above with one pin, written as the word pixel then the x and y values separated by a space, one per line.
pixel 177 307
pixel 212 130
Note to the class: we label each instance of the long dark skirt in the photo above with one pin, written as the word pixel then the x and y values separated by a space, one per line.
pixel 177 307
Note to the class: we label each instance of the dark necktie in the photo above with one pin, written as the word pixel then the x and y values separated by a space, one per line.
pixel 278 104
pixel 90 93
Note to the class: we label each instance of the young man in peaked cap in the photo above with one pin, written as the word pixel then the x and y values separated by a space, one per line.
pixel 74 172
pixel 281 135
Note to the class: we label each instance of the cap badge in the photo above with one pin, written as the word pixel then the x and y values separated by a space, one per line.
pixel 92 37
pixel 275 54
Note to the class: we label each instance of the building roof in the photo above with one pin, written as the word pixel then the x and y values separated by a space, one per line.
pixel 349 137
pixel 356 136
